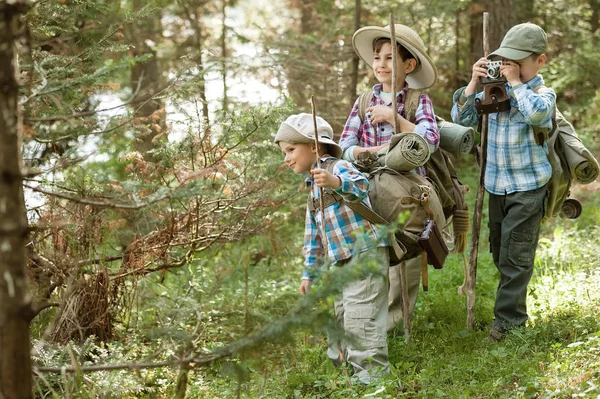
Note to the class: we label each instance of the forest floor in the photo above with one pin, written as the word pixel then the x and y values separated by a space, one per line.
pixel 216 301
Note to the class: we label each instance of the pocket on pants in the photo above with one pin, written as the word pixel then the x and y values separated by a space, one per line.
pixel 521 248
pixel 361 321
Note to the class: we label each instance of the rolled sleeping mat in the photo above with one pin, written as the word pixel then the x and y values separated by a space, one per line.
pixel 405 152
pixel 456 139
pixel 582 164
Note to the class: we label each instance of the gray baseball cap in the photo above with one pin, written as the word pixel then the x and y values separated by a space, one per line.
pixel 521 41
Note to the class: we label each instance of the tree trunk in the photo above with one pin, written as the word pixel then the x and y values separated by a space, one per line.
pixel 224 54
pixel 501 20
pixel 15 304
pixel 595 18
pixel 355 58
pixel 147 77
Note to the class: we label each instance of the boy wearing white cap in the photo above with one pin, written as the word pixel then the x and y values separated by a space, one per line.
pixel 414 70
pixel 517 166
pixel 362 305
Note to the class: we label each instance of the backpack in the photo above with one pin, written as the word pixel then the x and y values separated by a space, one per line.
pixel 570 160
pixel 440 170
pixel 392 194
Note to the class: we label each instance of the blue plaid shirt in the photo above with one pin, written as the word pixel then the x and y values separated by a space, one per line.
pixel 346 231
pixel 362 133
pixel 515 162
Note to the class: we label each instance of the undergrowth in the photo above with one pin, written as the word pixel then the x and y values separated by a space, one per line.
pixel 223 297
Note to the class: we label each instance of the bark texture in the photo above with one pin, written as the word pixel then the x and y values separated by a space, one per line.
pixel 15 306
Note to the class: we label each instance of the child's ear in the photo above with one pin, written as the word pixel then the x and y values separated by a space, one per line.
pixel 410 65
pixel 313 148
pixel 541 60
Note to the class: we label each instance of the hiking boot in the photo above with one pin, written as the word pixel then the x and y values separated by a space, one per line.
pixel 497 334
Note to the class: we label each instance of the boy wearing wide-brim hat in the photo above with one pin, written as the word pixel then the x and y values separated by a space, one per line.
pixel 517 166
pixel 414 70
pixel 362 307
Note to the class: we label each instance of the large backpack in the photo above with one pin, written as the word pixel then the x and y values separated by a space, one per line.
pixel 440 170
pixel 570 160
pixel 392 194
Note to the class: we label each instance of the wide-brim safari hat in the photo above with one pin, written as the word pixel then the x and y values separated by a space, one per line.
pixel 425 73
pixel 300 129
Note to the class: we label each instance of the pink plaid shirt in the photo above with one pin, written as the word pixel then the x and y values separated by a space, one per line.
pixel 362 133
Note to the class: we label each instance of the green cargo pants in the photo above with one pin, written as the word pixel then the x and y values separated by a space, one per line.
pixel 514 222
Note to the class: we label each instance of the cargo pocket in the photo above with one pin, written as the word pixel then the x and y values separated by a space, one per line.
pixel 495 240
pixel 361 321
pixel 521 248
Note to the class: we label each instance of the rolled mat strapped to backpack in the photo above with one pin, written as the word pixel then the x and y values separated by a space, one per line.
pixel 569 158
pixel 405 152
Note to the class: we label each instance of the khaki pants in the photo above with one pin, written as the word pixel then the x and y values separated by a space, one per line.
pixel 413 277
pixel 362 311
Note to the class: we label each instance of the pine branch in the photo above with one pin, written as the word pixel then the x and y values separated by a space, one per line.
pixel 102 204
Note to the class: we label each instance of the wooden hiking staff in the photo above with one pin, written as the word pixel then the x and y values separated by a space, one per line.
pixel 322 206
pixel 472 277
pixel 402 266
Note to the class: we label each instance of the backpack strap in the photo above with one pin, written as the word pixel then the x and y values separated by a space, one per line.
pixel 542 134
pixel 329 197
pixel 411 103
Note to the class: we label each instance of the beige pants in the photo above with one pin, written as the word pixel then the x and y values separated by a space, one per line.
pixel 362 311
pixel 413 277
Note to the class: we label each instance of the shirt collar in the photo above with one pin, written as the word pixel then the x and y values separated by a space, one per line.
pixel 401 94
pixel 534 83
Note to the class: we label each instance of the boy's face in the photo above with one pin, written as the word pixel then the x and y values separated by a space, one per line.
pixel 382 66
pixel 528 67
pixel 299 157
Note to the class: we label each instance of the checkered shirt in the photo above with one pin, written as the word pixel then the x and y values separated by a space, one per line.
pixel 515 161
pixel 362 133
pixel 346 231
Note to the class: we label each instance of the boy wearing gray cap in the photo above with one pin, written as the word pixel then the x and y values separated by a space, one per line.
pixel 361 308
pixel 517 166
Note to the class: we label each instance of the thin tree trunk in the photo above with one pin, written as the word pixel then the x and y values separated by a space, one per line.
pixel 15 304
pixel 147 77
pixel 355 58
pixel 224 54
pixel 595 18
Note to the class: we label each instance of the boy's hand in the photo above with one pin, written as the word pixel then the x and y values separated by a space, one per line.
pixel 512 72
pixel 479 71
pixel 381 114
pixel 325 179
pixel 304 286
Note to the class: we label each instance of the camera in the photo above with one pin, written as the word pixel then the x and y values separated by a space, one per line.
pixel 493 69
pixel 494 99
pixel 493 72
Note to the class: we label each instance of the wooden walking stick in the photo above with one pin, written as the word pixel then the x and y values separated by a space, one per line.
pixel 402 266
pixel 321 205
pixel 478 201
pixel 341 355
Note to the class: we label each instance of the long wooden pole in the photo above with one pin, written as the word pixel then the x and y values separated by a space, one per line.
pixel 472 278
pixel 321 204
pixel 341 355
pixel 402 266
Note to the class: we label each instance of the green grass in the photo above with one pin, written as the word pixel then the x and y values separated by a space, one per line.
pixel 556 356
